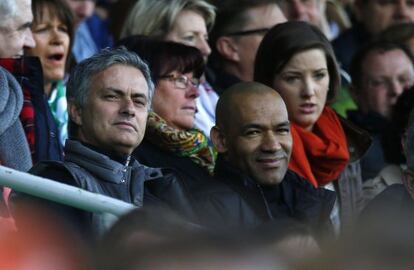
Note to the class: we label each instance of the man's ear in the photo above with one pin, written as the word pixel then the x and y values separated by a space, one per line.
pixel 75 114
pixel 218 139
pixel 228 49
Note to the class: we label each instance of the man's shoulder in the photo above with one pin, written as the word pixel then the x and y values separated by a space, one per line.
pixel 60 171
pixel 301 186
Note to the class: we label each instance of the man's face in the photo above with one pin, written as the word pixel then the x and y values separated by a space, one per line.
pixel 262 17
pixel 258 140
pixel 385 76
pixel 303 10
pixel 16 34
pixel 115 114
pixel 377 15
pixel 82 9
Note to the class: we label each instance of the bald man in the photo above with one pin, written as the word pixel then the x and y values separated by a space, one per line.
pixel 253 139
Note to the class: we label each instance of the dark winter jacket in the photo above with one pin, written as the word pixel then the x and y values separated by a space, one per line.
pixel 243 204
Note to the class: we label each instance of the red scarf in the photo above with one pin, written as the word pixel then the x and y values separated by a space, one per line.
pixel 320 155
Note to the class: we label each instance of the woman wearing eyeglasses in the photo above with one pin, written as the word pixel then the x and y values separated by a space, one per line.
pixel 170 139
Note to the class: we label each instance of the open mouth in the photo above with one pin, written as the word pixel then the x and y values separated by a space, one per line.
pixel 56 57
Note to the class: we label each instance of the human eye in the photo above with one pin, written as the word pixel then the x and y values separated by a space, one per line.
pixel 283 130
pixel 63 28
pixel 377 82
pixel 189 39
pixel 291 78
pixel 251 132
pixel 319 75
pixel 40 28
pixel 110 97
pixel 140 102
pixel 405 80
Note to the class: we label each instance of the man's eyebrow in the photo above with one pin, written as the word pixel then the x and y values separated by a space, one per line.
pixel 122 93
pixel 251 125
pixel 25 25
pixel 284 124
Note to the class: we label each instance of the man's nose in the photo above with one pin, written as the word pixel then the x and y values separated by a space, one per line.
pixel 29 41
pixel 128 107
pixel 270 142
pixel 192 92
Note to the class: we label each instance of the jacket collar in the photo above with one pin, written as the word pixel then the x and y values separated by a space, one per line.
pixel 101 165
pixel 300 197
pixel 25 69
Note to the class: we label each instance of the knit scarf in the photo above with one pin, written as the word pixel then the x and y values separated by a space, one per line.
pixel 320 155
pixel 14 149
pixel 191 143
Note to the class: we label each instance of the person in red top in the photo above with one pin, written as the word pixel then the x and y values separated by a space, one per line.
pixel 297 60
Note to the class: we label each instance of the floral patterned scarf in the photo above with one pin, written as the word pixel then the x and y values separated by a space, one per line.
pixel 190 143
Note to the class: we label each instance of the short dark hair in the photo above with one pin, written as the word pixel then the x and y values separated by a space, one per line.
pixel 398 33
pixel 231 16
pixel 58 9
pixel 285 40
pixel 358 60
pixel 164 57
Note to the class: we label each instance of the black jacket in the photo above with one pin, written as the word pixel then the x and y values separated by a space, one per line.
pixel 96 172
pixel 243 204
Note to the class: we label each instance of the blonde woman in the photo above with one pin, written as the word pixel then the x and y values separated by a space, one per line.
pixel 182 21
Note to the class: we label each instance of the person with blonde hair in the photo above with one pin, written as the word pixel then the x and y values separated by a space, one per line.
pixel 182 21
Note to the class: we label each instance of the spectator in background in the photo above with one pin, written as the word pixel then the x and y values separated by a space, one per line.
pixel 182 21
pixel 297 60
pixel 310 11
pixel 380 72
pixel 83 46
pixel 373 16
pixel 53 32
pixel 396 203
pixel 239 28
pixel 170 137
pixel 392 144
pixel 35 116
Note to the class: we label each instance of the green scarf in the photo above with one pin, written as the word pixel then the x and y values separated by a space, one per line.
pixel 190 143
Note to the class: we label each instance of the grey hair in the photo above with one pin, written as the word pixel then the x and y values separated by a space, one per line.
pixel 155 18
pixel 79 83
pixel 8 10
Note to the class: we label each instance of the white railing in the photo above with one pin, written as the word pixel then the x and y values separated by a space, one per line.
pixel 62 193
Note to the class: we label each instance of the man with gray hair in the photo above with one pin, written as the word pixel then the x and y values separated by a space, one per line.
pixel 109 96
pixel 15 34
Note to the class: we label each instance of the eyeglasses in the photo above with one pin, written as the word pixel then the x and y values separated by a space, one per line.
pixel 182 81
pixel 258 31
